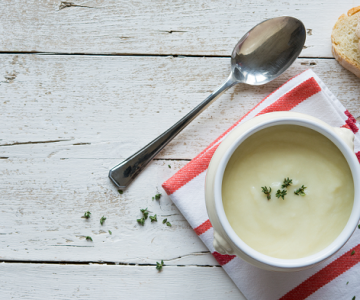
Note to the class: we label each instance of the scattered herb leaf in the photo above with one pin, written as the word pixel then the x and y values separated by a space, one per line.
pixel 300 191
pixel 359 226
pixel 86 215
pixel 88 238
pixel 353 298
pixel 102 220
pixel 157 196
pixel 169 166
pixel 141 221
pixel 347 283
pixel 110 232
pixel 159 265
pixel 267 192
pixel 121 192
pixel 168 224
pixel 287 182
pixel 145 213
pixel 281 194
pixel 164 221
pixel 153 218
pixel 352 252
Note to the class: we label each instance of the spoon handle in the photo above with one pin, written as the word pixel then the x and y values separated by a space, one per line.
pixel 126 171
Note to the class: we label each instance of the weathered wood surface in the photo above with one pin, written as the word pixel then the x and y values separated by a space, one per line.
pixel 42 201
pixel 41 281
pixel 156 27
pixel 66 119
pixel 109 107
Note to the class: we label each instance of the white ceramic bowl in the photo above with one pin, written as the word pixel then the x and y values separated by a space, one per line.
pixel 226 241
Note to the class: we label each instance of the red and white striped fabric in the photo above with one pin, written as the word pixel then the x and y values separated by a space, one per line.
pixel 305 93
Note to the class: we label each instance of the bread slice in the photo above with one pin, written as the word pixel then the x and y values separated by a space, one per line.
pixel 345 40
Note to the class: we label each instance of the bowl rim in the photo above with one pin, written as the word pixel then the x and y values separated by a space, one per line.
pixel 327 131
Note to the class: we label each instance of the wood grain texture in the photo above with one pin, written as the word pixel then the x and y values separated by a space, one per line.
pixel 109 107
pixel 42 201
pixel 67 119
pixel 156 27
pixel 38 281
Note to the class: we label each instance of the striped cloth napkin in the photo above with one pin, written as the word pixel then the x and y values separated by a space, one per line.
pixel 336 278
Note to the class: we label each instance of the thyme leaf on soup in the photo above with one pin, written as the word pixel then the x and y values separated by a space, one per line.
pixel 88 238
pixel 267 192
pixel 287 182
pixel 300 191
pixel 281 194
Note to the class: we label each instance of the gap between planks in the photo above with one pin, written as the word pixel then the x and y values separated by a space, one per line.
pixel 179 55
pixel 43 262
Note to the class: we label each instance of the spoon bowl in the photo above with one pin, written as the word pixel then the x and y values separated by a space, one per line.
pixel 267 50
pixel 263 54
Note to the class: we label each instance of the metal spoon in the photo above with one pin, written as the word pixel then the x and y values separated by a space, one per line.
pixel 263 53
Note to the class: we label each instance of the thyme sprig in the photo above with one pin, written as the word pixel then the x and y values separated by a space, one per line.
pixel 281 194
pixel 145 213
pixel 287 182
pixel 300 191
pixel 141 221
pixel 267 192
pixel 159 265
pixel 102 220
pixel 86 215
pixel 157 197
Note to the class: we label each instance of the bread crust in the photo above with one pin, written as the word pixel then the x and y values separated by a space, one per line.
pixel 346 63
pixel 343 60
pixel 353 11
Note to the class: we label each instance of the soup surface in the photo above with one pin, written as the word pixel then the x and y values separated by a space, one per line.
pixel 296 226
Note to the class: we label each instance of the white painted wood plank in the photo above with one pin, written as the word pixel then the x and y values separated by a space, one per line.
pixel 37 281
pixel 42 201
pixel 109 107
pixel 156 27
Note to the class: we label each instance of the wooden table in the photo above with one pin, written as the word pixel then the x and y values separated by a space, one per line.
pixel 85 84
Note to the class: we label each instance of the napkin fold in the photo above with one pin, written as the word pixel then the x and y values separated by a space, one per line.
pixel 336 278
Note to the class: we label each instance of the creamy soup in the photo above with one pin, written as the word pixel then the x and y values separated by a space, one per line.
pixel 296 226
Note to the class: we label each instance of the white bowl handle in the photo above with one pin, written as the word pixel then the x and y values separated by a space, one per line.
pixel 221 245
pixel 346 135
